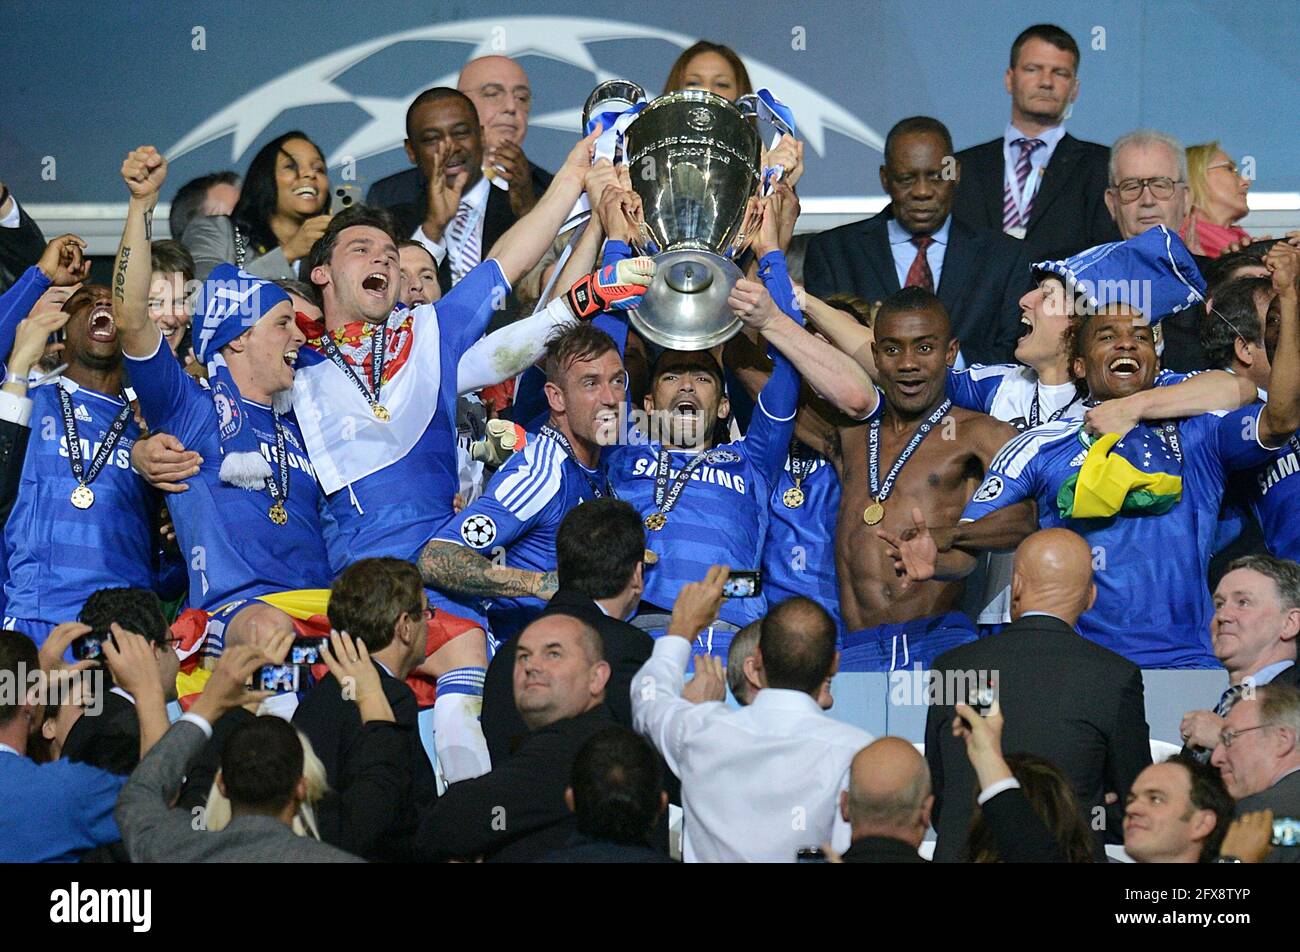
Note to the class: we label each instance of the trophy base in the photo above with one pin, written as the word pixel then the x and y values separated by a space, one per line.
pixel 685 307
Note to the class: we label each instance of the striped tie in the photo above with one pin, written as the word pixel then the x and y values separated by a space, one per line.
pixel 464 241
pixel 1011 216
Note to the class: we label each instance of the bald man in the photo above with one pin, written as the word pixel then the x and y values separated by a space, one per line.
pixel 502 96
pixel 1065 698
pixel 888 803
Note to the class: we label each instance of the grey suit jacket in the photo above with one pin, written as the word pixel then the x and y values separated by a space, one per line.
pixel 1283 798
pixel 155 833
pixel 211 241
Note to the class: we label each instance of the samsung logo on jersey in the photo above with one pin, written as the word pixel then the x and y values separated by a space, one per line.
pixel 121 456
pixel 705 474
pixel 296 460
pixel 1285 466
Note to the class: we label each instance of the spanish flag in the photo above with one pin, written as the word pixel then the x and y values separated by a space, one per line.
pixel 1134 475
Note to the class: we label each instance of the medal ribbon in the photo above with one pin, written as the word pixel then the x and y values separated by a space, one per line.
pixel 1169 434
pixel 666 499
pixel 880 491
pixel 1034 410
pixel 800 466
pixel 551 433
pixel 278 484
pixel 115 431
pixel 378 353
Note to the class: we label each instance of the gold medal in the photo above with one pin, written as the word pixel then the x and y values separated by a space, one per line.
pixel 381 412
pixel 83 497
pixel 873 514
pixel 656 521
pixel 793 498
pixel 278 515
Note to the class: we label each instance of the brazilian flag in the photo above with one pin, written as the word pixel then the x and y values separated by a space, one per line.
pixel 1134 475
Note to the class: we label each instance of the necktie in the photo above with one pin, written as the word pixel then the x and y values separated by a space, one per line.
pixel 919 275
pixel 464 239
pixel 1230 697
pixel 1011 216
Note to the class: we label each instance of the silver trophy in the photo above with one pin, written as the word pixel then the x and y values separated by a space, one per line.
pixel 694 161
pixel 613 95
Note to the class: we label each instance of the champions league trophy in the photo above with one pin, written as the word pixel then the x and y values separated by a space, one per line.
pixel 694 161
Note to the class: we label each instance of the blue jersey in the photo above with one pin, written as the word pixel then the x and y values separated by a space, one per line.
pixel 395 510
pixel 1273 493
pixel 722 514
pixel 518 516
pixel 59 554
pixel 1011 393
pixel 1153 604
pixel 232 547
pixel 799 554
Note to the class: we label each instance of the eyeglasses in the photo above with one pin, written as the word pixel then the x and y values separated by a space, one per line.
pixel 1130 190
pixel 1230 166
pixel 1227 737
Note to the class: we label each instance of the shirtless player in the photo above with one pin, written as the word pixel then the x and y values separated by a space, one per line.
pixel 931 457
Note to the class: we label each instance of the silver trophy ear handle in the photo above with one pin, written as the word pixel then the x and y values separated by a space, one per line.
pixel 613 92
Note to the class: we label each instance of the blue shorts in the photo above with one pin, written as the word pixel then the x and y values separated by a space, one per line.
pixel 711 641
pixel 38 631
pixel 902 645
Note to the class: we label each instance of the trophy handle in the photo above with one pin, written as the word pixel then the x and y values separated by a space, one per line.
pixel 613 93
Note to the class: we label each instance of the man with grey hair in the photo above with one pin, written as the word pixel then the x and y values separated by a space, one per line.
pixel 887 804
pixel 1256 621
pixel 1258 756
pixel 1148 182
pixel 744 677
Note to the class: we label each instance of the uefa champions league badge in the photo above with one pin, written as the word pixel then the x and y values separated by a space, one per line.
pixel 230 416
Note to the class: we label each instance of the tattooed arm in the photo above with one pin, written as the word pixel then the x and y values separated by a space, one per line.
pixel 143 171
pixel 452 567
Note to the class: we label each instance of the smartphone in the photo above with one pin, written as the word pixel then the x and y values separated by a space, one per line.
pixel 810 854
pixel 280 678
pixel 742 584
pixel 306 651
pixel 344 196
pixel 1286 831
pixel 88 647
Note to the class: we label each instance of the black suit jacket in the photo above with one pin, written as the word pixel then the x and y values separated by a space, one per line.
pixel 626 649
pixel 109 740
pixel 881 849
pixel 13 453
pixel 334 727
pixel 515 812
pixel 1069 212
pixel 20 248
pixel 406 186
pixel 1065 698
pixel 497 220
pixel 584 849
pixel 984 275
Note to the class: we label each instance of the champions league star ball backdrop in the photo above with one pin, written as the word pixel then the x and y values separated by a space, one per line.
pixel 211 82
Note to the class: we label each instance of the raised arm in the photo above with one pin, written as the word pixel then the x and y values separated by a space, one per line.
pixel 144 172
pixel 1200 393
pixel 1281 415
pixel 527 240
pixel 842 330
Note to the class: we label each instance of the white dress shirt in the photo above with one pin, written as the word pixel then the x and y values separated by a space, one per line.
pixel 14 217
pixel 758 783
pixel 477 198
pixel 904 252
